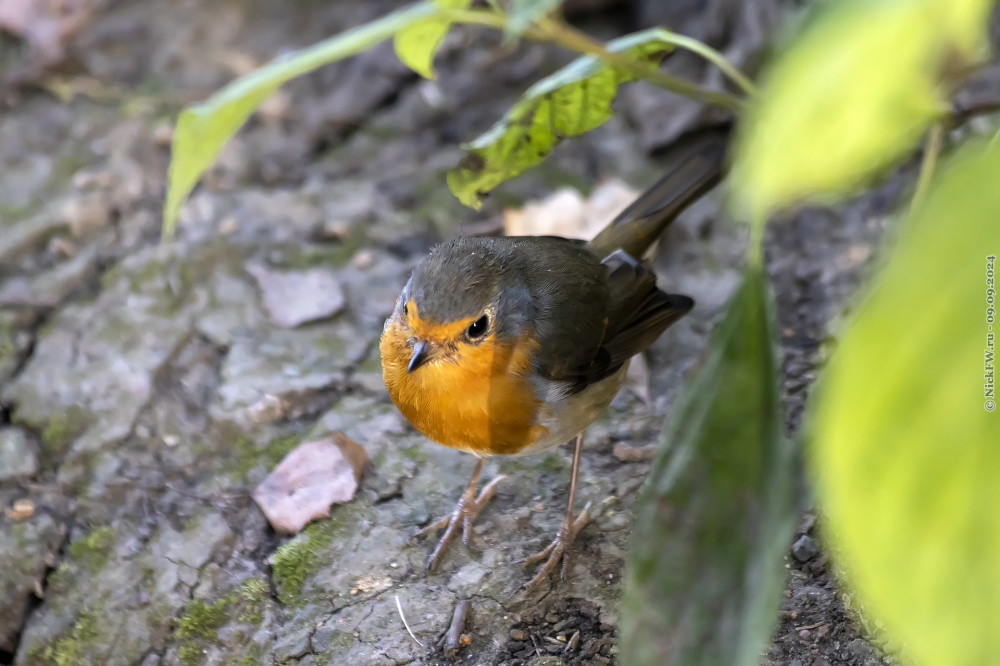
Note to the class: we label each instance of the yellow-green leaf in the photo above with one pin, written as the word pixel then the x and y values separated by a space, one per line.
pixel 574 100
pixel 417 44
pixel 851 95
pixel 905 449
pixel 705 570
pixel 204 128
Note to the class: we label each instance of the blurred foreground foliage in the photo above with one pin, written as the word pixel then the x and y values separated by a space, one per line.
pixel 900 448
pixel 719 507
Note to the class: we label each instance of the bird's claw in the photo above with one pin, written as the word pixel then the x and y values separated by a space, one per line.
pixel 557 551
pixel 465 512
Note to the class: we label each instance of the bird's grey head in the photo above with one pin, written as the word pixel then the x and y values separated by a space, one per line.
pixel 469 277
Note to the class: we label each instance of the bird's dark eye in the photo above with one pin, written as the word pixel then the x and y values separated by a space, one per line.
pixel 406 309
pixel 478 327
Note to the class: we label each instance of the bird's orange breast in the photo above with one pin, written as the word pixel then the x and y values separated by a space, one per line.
pixel 478 398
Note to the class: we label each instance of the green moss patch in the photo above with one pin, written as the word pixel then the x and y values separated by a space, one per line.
pixel 293 562
pixel 91 551
pixel 72 649
pixel 255 594
pixel 248 454
pixel 202 619
pixel 415 452
pixel 61 429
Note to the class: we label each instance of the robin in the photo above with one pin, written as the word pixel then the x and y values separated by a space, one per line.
pixel 514 345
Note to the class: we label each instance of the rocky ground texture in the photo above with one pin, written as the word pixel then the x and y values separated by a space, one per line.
pixel 147 387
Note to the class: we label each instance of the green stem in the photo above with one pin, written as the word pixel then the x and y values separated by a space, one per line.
pixel 564 35
pixel 755 246
pixel 711 55
pixel 548 30
pixel 931 152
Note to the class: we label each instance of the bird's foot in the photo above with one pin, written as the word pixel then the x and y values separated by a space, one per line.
pixel 468 507
pixel 557 551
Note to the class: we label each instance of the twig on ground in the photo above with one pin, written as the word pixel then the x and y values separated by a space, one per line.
pixel 451 642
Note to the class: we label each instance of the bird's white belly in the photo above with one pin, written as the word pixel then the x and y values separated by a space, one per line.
pixel 565 417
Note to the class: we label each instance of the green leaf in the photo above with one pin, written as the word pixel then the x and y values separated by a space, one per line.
pixel 522 13
pixel 856 90
pixel 905 453
pixel 417 44
pixel 574 100
pixel 705 570
pixel 204 128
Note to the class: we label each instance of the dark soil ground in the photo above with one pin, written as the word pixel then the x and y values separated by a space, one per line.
pixel 145 391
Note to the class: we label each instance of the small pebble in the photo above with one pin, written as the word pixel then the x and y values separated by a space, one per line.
pixel 518 634
pixel 562 624
pixel 61 247
pixel 163 134
pixel 807 523
pixel 522 516
pixel 629 453
pixel 21 509
pixel 805 548
pixel 335 229
pixel 228 225
pixel 363 259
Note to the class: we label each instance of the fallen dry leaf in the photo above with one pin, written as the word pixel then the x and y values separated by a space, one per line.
pixel 566 213
pixel 297 297
pixel 46 26
pixel 312 476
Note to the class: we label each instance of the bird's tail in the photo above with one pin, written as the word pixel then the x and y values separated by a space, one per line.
pixel 698 163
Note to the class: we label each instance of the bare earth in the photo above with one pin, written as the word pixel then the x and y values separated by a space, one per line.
pixel 146 391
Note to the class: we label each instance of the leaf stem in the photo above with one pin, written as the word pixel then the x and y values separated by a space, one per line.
pixel 755 245
pixel 549 30
pixel 931 151
pixel 962 113
pixel 575 40
pixel 711 55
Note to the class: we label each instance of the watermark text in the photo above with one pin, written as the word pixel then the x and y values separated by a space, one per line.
pixel 989 390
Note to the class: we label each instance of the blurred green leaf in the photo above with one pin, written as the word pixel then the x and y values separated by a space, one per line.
pixel 905 454
pixel 417 44
pixel 204 128
pixel 852 94
pixel 574 100
pixel 522 13
pixel 705 570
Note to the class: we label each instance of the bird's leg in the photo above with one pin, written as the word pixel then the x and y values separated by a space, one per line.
pixel 461 518
pixel 559 550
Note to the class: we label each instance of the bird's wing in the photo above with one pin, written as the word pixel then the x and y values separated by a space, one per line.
pixel 637 315
pixel 639 312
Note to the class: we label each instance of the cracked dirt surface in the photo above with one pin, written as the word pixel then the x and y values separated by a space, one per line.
pixel 145 390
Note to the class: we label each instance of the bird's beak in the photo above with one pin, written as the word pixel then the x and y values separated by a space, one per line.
pixel 421 354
